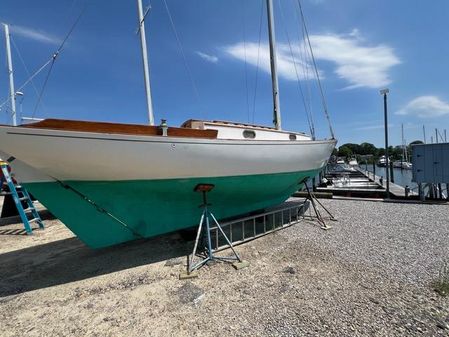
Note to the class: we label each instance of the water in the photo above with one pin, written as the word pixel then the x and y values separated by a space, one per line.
pixel 401 177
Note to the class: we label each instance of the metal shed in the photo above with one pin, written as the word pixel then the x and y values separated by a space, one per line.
pixel 431 163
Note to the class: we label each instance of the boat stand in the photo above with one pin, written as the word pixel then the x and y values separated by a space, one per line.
pixel 207 252
pixel 315 202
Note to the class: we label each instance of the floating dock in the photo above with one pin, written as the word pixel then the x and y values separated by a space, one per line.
pixel 355 182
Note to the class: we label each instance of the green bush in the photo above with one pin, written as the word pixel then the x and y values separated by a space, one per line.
pixel 441 285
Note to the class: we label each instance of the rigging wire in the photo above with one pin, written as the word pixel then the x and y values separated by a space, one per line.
pixel 26 68
pixel 258 60
pixel 56 54
pixel 326 112
pixel 178 40
pixel 28 80
pixel 305 57
pixel 246 62
pixel 50 61
pixel 39 99
pixel 312 131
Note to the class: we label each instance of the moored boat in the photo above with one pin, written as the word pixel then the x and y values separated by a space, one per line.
pixel 382 161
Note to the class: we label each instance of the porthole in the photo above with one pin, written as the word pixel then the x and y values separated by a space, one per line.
pixel 249 134
pixel 292 136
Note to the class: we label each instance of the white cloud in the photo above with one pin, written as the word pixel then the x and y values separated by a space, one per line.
pixel 285 63
pixel 357 63
pixel 207 57
pixel 425 106
pixel 36 35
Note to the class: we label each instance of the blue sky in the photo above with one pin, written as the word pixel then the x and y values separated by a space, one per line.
pixel 360 47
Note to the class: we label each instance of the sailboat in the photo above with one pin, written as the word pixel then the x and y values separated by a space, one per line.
pixel 110 183
pixel 403 163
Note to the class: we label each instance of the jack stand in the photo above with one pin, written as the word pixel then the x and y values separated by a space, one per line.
pixel 314 201
pixel 204 226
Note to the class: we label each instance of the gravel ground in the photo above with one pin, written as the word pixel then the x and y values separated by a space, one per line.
pixel 370 275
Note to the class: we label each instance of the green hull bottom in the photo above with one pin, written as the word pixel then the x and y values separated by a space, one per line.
pixel 105 213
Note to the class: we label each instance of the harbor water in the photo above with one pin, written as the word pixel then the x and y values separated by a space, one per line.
pixel 401 177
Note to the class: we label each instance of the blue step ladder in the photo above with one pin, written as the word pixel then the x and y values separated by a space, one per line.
pixel 21 197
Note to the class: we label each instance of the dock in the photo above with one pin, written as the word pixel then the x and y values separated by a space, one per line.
pixel 356 182
pixel 397 191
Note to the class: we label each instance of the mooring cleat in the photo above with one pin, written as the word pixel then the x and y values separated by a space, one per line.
pixel 187 275
pixel 240 264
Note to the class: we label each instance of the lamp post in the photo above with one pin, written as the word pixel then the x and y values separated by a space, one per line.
pixel 384 93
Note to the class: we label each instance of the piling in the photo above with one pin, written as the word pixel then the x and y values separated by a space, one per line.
pixel 391 172
pixel 421 192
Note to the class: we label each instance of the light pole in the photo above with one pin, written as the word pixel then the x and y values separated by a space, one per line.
pixel 385 92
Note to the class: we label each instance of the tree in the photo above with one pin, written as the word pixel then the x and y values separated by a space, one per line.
pixel 368 148
pixel 344 151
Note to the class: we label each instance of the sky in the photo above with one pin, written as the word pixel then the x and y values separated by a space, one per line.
pixel 210 60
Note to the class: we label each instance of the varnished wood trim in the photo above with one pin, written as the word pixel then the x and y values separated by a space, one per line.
pixel 117 128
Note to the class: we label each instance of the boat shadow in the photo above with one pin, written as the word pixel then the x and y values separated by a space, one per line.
pixel 69 260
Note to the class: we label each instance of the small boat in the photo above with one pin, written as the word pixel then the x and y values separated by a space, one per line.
pixel 353 162
pixel 382 161
pixel 403 164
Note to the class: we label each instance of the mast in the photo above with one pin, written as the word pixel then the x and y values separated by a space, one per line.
pixel 146 70
pixel 404 151
pixel 273 61
pixel 12 93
